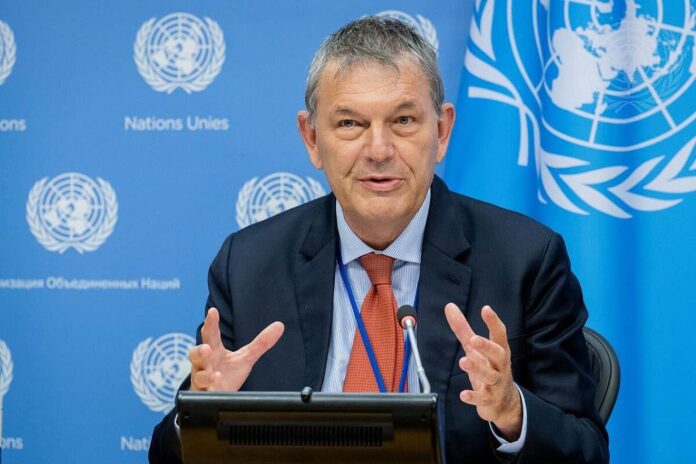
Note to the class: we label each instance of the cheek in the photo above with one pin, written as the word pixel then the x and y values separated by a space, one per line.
pixel 338 157
pixel 419 156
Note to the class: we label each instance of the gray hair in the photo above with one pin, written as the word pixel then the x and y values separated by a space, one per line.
pixel 374 39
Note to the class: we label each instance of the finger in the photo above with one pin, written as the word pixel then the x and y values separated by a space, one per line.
pixel 496 329
pixel 476 398
pixel 205 380
pixel 210 332
pixel 264 341
pixel 477 366
pixel 458 323
pixel 494 353
pixel 200 357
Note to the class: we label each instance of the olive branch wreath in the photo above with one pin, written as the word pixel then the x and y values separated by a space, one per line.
pixel 6 368
pixel 10 54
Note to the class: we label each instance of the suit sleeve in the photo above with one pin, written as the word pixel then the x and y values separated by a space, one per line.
pixel 563 425
pixel 165 446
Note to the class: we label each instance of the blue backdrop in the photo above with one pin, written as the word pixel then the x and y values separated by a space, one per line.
pixel 135 136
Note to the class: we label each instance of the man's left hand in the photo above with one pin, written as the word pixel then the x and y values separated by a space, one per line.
pixel 487 362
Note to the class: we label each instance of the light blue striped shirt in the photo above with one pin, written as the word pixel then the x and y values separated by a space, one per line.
pixel 406 251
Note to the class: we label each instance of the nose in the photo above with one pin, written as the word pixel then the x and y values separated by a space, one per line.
pixel 380 144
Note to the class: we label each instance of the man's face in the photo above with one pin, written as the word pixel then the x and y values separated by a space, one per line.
pixel 377 137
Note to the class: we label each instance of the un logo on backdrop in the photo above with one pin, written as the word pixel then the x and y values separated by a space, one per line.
pixel 6 368
pixel 179 51
pixel 275 193
pixel 5 378
pixel 72 210
pixel 158 367
pixel 599 80
pixel 8 51
pixel 419 23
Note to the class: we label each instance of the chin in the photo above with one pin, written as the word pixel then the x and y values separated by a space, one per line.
pixel 384 213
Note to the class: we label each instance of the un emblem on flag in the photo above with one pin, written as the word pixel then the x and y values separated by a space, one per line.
pixel 72 211
pixel 158 367
pixel 596 85
pixel 8 51
pixel 275 193
pixel 179 51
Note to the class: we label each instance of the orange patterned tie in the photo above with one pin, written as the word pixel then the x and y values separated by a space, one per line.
pixel 378 313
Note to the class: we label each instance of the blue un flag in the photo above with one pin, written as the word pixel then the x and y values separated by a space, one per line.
pixel 580 113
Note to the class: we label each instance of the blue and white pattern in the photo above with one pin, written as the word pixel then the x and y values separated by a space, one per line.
pixel 6 370
pixel 179 51
pixel 604 92
pixel 8 51
pixel 260 199
pixel 72 211
pixel 158 367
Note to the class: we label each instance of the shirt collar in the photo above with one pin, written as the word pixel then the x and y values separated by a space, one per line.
pixel 406 247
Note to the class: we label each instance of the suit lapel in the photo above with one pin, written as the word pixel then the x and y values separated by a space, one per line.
pixel 443 279
pixel 314 284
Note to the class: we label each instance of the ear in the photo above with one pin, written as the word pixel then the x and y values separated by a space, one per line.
pixel 309 136
pixel 444 130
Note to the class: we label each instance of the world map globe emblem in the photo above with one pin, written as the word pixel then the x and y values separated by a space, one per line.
pixel 179 51
pixel 72 210
pixel 605 65
pixel 158 367
pixel 275 193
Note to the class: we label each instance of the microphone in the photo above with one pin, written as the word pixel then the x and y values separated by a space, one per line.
pixel 406 316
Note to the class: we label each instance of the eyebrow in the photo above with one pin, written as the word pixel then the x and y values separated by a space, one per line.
pixel 345 111
pixel 409 105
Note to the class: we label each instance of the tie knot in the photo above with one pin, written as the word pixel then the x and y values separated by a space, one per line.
pixel 378 267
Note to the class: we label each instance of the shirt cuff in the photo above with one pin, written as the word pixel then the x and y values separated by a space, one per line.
pixel 515 446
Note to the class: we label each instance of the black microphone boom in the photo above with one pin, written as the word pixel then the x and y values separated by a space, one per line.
pixel 406 315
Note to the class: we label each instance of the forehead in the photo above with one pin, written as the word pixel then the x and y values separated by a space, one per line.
pixel 370 81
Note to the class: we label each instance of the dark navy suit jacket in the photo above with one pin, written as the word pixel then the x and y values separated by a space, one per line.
pixel 474 254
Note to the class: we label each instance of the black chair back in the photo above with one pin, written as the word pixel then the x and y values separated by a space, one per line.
pixel 606 371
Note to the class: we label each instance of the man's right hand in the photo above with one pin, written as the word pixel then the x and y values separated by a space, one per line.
pixel 215 368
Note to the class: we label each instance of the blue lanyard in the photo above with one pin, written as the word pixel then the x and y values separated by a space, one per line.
pixel 366 340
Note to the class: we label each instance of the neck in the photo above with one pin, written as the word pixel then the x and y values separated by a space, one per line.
pixel 378 236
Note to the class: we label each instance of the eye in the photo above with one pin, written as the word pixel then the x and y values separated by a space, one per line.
pixel 404 120
pixel 347 123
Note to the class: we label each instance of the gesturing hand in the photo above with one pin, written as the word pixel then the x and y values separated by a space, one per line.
pixel 487 362
pixel 215 368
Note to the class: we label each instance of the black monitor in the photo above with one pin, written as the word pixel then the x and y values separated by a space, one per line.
pixel 307 427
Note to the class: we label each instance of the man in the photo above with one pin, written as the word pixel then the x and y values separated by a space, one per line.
pixel 376 124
